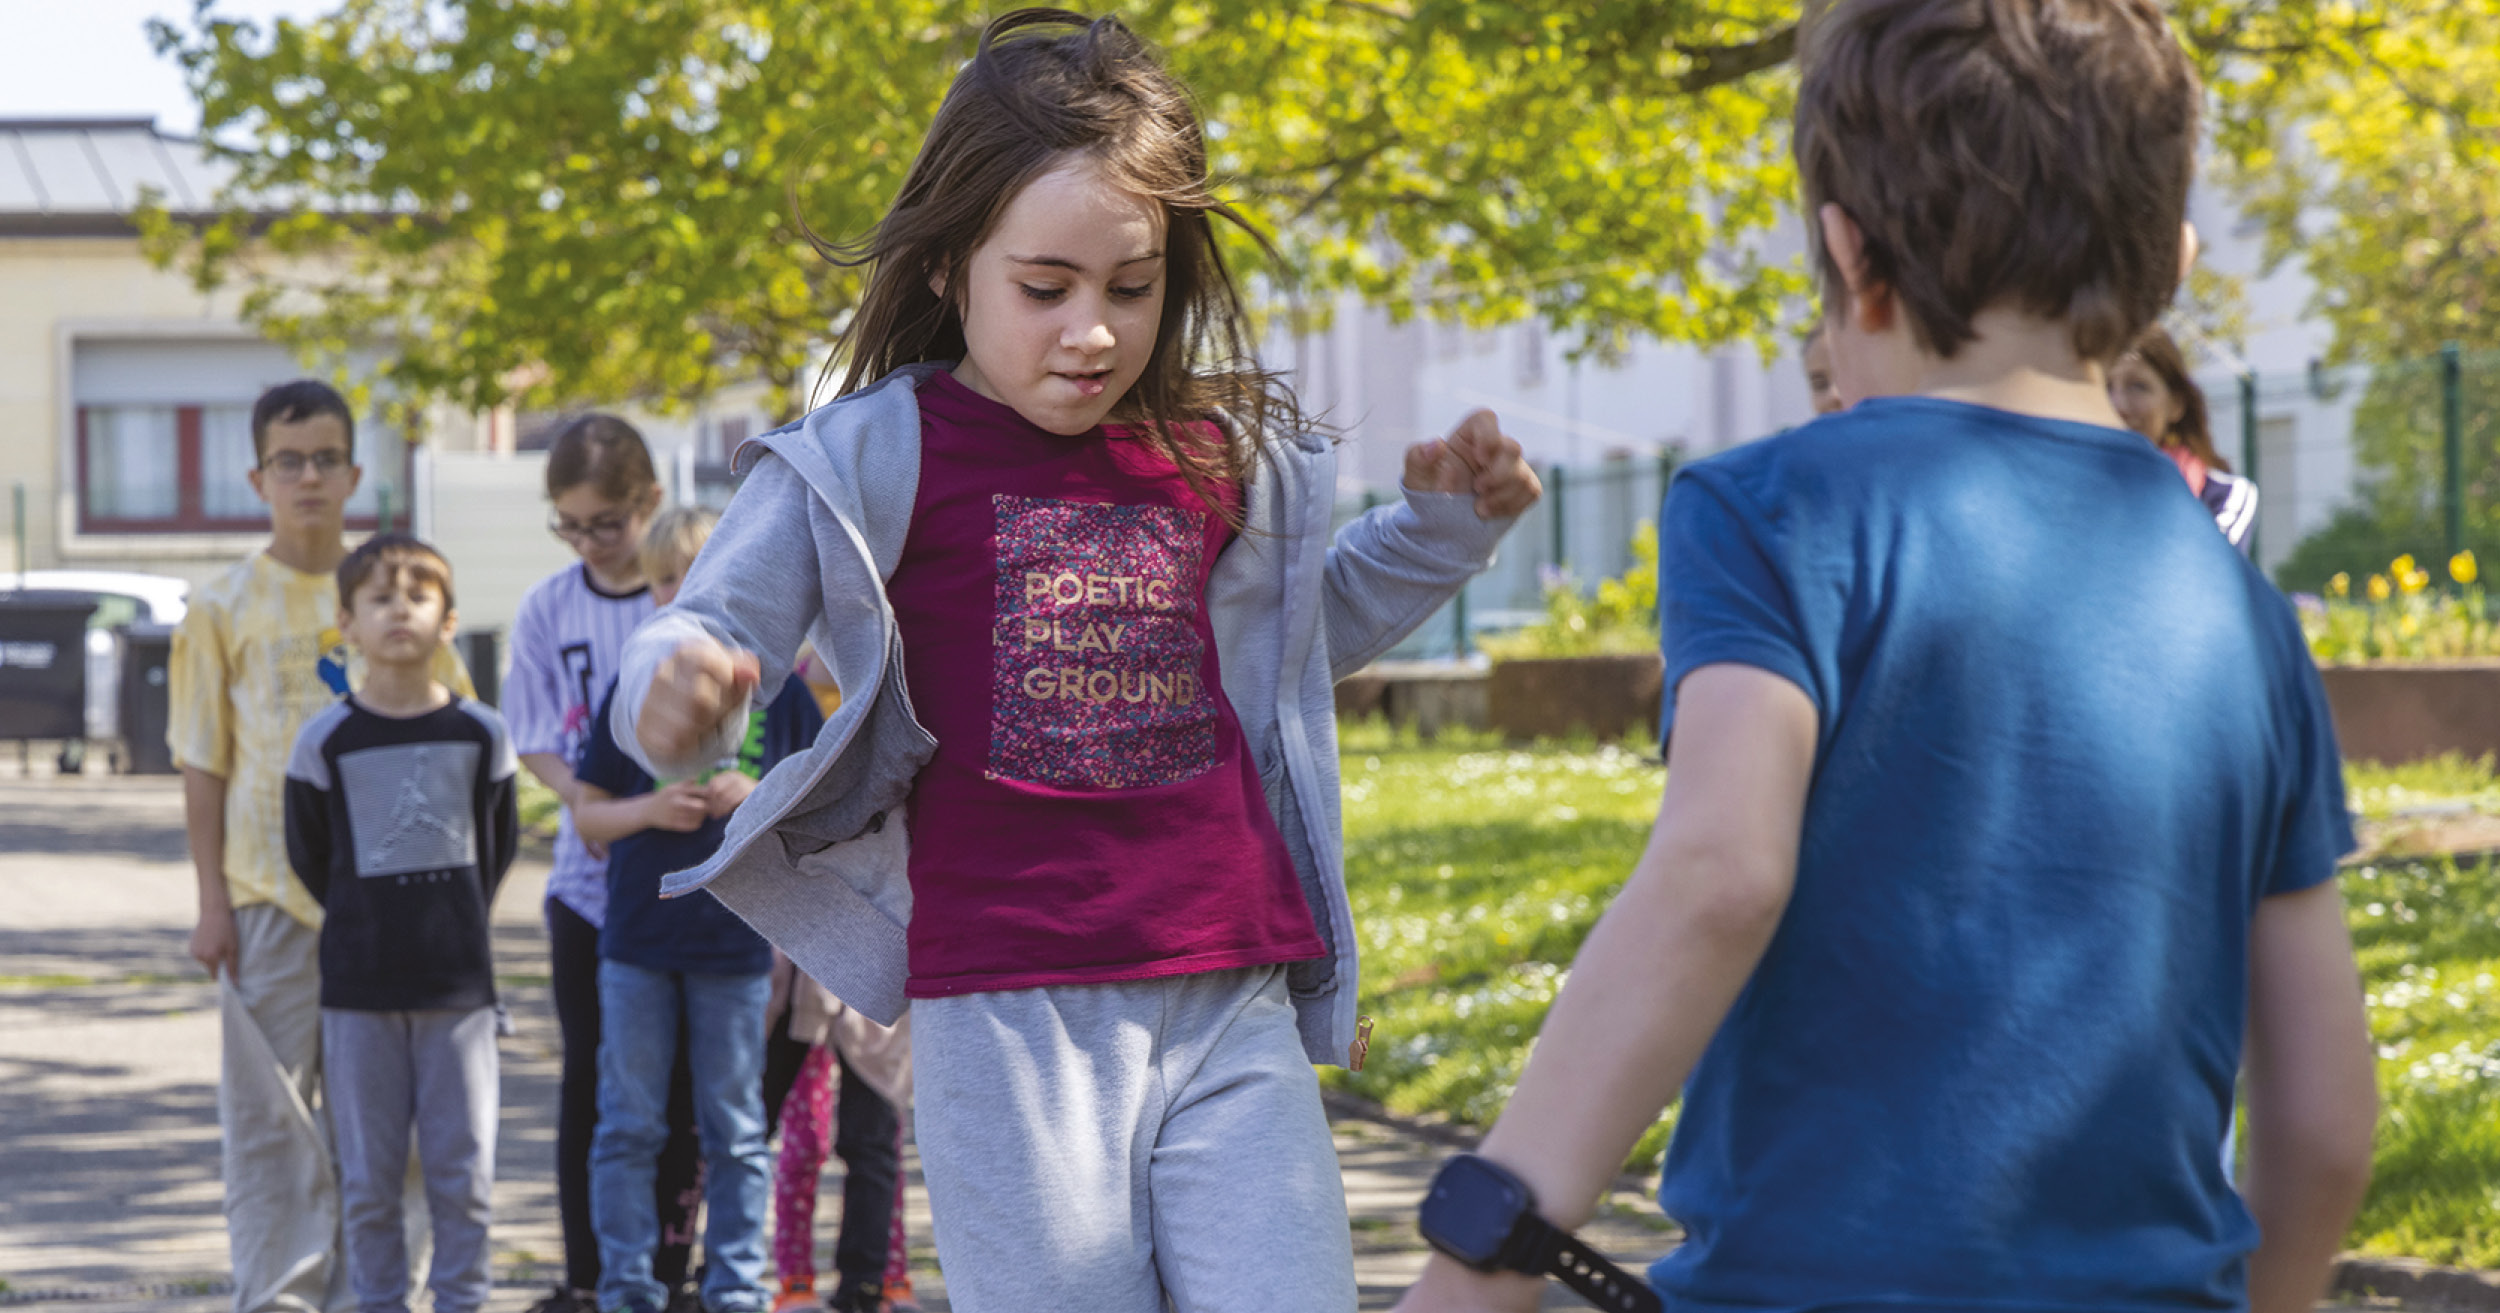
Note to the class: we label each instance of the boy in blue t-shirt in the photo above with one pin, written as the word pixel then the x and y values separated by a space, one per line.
pixel 2004 798
pixel 686 959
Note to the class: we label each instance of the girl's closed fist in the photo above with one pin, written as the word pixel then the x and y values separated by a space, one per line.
pixel 696 688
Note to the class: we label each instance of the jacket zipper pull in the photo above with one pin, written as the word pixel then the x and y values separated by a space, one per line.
pixel 1362 1046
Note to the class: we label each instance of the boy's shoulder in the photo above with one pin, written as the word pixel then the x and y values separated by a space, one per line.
pixel 308 761
pixel 234 588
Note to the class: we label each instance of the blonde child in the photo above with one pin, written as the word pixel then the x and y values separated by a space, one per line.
pixel 602 492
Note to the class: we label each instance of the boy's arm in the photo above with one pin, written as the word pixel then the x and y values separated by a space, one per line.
pixel 499 818
pixel 2312 1096
pixel 308 836
pixel 1663 965
pixel 213 942
pixel 500 822
pixel 201 735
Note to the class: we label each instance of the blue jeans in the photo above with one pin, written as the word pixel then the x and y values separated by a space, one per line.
pixel 724 1018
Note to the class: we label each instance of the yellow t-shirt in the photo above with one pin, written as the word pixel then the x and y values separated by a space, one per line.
pixel 257 654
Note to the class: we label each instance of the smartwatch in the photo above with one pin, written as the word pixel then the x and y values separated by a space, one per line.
pixel 1486 1218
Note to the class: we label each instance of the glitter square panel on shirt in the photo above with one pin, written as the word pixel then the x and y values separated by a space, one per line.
pixel 1098 650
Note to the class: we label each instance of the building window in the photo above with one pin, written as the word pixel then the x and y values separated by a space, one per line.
pixel 183 469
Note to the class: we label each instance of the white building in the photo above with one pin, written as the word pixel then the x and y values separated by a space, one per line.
pixel 1392 384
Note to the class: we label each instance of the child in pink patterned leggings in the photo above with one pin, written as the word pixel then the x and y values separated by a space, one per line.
pixel 821 1043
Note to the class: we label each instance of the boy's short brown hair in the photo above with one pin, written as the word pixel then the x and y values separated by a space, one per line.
pixel 392 552
pixel 2029 153
pixel 675 535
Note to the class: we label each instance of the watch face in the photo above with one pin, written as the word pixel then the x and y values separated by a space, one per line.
pixel 1472 1210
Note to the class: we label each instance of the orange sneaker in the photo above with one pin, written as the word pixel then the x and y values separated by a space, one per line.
pixel 798 1299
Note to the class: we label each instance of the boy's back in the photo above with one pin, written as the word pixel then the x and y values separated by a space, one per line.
pixel 2068 739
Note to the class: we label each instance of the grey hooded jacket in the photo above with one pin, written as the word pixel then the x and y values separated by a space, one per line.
pixel 815 858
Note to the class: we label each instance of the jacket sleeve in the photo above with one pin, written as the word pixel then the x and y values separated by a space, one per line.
pixel 1390 569
pixel 756 586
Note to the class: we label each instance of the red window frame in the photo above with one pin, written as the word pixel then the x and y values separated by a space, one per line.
pixel 188 516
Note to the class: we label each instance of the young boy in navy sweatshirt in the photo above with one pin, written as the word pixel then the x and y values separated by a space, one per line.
pixel 400 820
pixel 687 959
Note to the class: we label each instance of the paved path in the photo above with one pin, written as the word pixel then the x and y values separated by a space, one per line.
pixel 108 1081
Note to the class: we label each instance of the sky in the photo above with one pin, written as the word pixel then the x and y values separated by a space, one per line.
pixel 91 59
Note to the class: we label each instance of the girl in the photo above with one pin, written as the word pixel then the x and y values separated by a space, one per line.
pixel 1101 863
pixel 565 643
pixel 834 1080
pixel 2151 390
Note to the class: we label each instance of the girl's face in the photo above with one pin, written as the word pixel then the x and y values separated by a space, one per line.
pixel 1061 304
pixel 605 534
pixel 2141 399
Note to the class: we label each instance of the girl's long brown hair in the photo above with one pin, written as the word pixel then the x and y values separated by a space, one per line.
pixel 2194 431
pixel 1046 84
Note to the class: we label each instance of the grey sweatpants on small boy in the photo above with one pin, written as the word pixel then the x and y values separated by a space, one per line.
pixel 384 1074
pixel 1104 1148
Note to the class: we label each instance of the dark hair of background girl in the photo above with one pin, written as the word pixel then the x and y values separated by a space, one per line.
pixel 2160 353
pixel 604 452
pixel 1046 84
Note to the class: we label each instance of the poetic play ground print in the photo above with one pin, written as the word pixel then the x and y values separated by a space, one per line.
pixel 1096 650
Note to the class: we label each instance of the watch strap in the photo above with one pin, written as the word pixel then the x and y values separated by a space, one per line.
pixel 1559 1254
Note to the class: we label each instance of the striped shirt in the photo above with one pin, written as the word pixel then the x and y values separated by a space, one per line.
pixel 565 645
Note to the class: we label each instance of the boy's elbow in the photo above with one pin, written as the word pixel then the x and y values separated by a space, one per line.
pixel 1723 894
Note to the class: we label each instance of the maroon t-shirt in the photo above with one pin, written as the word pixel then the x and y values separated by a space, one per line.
pixel 1092 813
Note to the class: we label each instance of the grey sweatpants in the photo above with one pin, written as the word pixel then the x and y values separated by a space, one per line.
pixel 1104 1148
pixel 385 1074
pixel 281 1181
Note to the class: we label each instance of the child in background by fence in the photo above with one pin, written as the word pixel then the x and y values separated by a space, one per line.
pixel 835 1080
pixel 401 821
pixel 1101 862
pixel 259 654
pixel 602 491
pixel 2154 394
pixel 682 982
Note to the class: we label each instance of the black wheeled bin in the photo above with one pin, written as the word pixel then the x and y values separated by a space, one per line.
pixel 43 667
pixel 146 698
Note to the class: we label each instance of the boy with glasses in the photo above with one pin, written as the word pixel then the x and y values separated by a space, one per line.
pixel 258 654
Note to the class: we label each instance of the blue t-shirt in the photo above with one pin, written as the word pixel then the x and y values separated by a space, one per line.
pixel 693 932
pixel 2069 738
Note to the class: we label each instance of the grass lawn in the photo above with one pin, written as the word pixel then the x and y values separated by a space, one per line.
pixel 1476 870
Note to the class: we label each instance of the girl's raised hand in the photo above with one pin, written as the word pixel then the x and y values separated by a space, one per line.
pixel 694 690
pixel 1477 457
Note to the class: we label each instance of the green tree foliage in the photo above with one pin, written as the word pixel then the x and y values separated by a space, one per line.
pixel 543 200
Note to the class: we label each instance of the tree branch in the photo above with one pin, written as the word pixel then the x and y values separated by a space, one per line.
pixel 1715 66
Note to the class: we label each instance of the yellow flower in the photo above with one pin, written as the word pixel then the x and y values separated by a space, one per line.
pixel 2414 581
pixel 2378 588
pixel 2409 626
pixel 2403 565
pixel 2341 585
pixel 2461 566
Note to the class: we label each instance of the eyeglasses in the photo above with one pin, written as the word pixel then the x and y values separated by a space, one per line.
pixel 603 530
pixel 291 464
